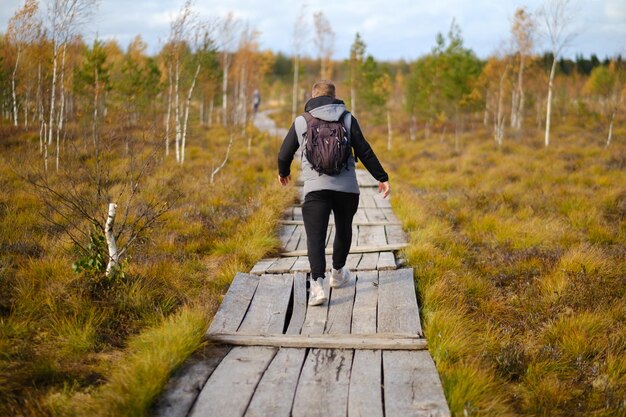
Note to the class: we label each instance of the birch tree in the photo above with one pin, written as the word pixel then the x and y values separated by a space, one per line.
pixel 357 55
pixel 324 40
pixel 64 19
pixel 558 17
pixel 179 32
pixel 22 29
pixel 227 32
pixel 607 83
pixel 300 30
pixel 522 32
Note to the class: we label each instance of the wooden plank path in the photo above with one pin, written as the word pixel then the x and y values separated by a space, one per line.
pixel 360 354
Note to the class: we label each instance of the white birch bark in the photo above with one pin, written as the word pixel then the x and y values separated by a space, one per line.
pixel 608 139
pixel 169 112
pixel 549 102
pixel 110 239
pixel 225 89
pixel 17 61
pixel 187 105
pixel 62 109
pixel 177 110
pixel 216 170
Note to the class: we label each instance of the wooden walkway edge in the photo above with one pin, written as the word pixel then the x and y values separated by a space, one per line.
pixel 362 353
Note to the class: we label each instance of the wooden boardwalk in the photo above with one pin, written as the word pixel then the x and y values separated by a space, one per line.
pixel 360 354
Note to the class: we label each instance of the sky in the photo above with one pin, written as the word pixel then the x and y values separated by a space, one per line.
pixel 391 29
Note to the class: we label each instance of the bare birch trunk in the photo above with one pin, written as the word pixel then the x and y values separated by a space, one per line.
pixel 17 61
pixel 388 130
pixel 225 90
pixel 187 105
pixel 53 92
pixel 608 139
pixel 177 111
pixel 62 109
pixel 499 120
pixel 549 104
pixel 413 128
pixel 211 104
pixel 216 170
pixel 519 117
pixel 243 97
pixel 110 238
pixel 294 99
pixel 169 112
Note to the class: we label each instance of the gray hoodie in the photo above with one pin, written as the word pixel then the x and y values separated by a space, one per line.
pixel 313 180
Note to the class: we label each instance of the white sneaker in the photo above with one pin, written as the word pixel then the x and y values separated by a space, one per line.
pixel 316 293
pixel 339 277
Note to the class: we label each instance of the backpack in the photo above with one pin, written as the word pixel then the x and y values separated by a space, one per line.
pixel 326 144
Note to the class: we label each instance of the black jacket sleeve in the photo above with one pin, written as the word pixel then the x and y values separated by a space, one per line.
pixel 287 150
pixel 365 153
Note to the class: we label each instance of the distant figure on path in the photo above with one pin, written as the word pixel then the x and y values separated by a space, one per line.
pixel 256 101
pixel 329 177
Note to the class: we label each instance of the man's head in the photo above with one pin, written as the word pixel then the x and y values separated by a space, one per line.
pixel 323 88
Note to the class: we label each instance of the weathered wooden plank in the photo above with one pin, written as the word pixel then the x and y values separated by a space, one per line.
pixel 355 235
pixel 324 382
pixel 395 234
pixel 276 390
pixel 382 202
pixel 368 202
pixel 302 244
pixel 372 236
pixel 288 214
pixel 297 213
pixel 281 265
pixel 352 261
pixel 268 309
pixel 412 385
pixel 360 217
pixel 301 265
pixel 368 261
pixel 235 304
pixel 294 240
pixel 315 319
pixel 340 308
pixel 285 233
pixel 184 386
pixel 239 372
pixel 365 303
pixel 298 311
pixel 354 249
pixel 397 303
pixel 262 265
pixel 390 215
pixel 365 394
pixel 386 261
pixel 375 215
pixel 335 341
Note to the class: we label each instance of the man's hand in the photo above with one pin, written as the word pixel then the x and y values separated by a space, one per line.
pixel 284 180
pixel 383 187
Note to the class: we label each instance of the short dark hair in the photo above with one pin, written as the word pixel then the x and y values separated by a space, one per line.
pixel 323 88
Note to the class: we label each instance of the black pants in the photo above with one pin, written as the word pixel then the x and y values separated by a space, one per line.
pixel 316 212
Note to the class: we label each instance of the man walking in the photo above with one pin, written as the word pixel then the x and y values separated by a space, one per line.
pixel 326 192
